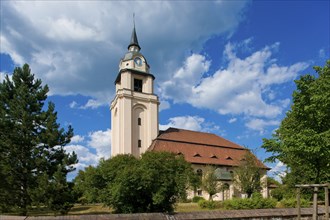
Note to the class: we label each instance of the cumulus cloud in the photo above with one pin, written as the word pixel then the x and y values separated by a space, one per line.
pixel 182 83
pixel 85 156
pixel 184 122
pixel 232 120
pixel 260 124
pixel 3 76
pixel 164 105
pixel 73 104
pixel 238 89
pixel 77 139
pixel 93 104
pixel 194 123
pixel 74 54
pixel 90 149
pixel 101 142
pixel 90 104
pixel 278 171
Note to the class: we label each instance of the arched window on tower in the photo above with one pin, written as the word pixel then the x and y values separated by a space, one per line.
pixel 137 85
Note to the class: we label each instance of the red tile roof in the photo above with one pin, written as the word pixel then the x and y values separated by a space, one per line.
pixel 200 147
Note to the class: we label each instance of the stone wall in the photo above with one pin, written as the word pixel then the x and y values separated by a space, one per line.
pixel 256 214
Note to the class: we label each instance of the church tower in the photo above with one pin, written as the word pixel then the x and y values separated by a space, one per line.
pixel 134 110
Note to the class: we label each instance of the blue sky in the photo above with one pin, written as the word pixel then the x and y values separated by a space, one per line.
pixel 225 67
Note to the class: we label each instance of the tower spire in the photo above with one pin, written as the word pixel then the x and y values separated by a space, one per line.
pixel 134 41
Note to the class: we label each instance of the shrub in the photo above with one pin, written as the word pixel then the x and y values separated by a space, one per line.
pixel 256 202
pixel 197 199
pixel 206 204
pixel 292 203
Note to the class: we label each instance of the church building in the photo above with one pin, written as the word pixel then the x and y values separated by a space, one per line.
pixel 134 126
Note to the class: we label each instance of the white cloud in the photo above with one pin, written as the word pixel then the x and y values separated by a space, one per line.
pixel 260 124
pixel 65 29
pixel 73 104
pixel 232 120
pixel 74 54
pixel 181 84
pixel 77 139
pixel 285 102
pixel 90 104
pixel 98 146
pixel 184 122
pixel 93 104
pixel 85 156
pixel 278 171
pixel 164 105
pixel 238 89
pixel 3 76
pixel 322 53
pixel 101 142
pixel 194 123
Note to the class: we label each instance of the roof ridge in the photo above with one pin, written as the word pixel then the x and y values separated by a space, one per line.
pixel 202 132
pixel 209 145
pixel 182 129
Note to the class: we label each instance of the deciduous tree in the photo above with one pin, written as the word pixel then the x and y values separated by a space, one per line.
pixel 247 175
pixel 210 183
pixel 152 183
pixel 302 141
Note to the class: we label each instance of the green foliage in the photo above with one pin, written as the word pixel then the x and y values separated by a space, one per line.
pixel 272 181
pixel 87 184
pixel 292 203
pixel 255 202
pixel 32 155
pixel 210 182
pixel 152 183
pixel 196 199
pixel 302 141
pixel 209 204
pixel 283 191
pixel 247 175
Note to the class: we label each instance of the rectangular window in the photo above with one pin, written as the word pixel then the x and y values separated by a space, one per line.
pixel 138 85
pixel 139 121
pixel 139 143
pixel 199 192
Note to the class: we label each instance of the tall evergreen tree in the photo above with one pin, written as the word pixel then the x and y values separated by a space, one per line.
pixel 31 142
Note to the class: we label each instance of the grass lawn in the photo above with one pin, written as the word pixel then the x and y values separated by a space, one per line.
pixel 92 209
pixel 188 207
pixel 99 209
pixel 89 209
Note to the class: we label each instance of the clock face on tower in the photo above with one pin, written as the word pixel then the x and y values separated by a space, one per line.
pixel 138 61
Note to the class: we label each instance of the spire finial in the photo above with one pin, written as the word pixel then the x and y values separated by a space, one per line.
pixel 134 40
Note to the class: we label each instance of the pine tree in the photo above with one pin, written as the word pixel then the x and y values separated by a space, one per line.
pixel 31 142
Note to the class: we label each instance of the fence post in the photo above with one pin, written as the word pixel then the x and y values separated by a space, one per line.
pixel 315 203
pixel 326 201
pixel 298 203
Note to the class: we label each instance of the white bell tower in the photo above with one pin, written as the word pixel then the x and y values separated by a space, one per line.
pixel 134 110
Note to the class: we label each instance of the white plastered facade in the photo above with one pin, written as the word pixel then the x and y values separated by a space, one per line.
pixel 134 113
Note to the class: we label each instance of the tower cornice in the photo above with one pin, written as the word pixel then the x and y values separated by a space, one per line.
pixel 134 71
